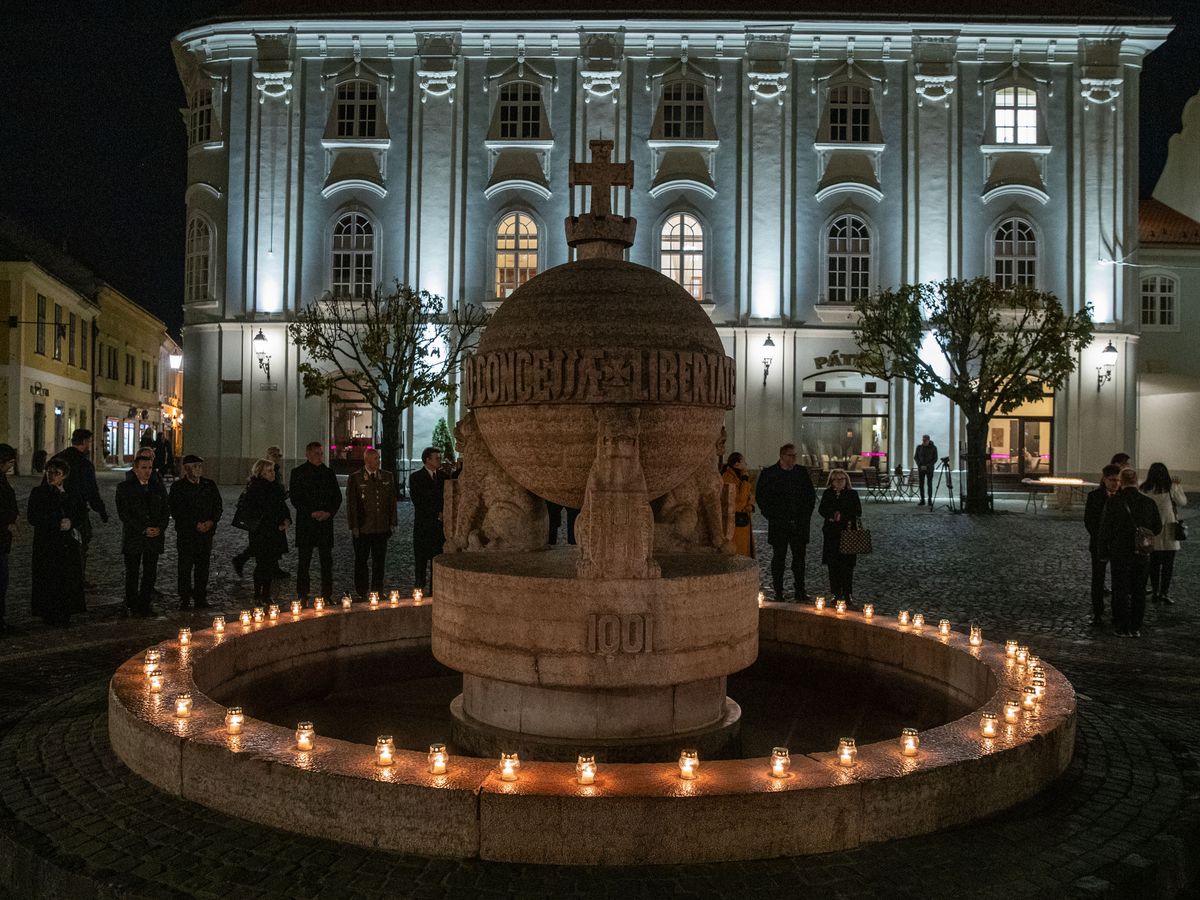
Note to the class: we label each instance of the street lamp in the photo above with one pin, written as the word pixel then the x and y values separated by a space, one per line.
pixel 768 344
pixel 1104 371
pixel 260 352
pixel 175 360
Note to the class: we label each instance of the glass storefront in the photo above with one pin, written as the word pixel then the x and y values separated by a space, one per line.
pixel 845 422
pixel 1020 444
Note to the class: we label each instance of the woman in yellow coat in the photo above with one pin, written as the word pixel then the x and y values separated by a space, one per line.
pixel 743 503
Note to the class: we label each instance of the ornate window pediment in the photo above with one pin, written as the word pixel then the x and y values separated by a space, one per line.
pixel 683 137
pixel 849 142
pixel 273 66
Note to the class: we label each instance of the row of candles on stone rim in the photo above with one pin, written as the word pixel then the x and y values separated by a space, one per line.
pixel 258 615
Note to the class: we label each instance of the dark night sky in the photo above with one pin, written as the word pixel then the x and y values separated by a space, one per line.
pixel 93 149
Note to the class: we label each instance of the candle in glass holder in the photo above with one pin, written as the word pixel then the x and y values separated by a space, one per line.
pixel 296 607
pixel 910 742
pixel 219 624
pixel 244 618
pixel 839 607
pixel 762 599
pixel 1039 686
pixel 234 720
pixel 347 602
pixel 1012 710
pixel 273 612
pixel 319 604
pixel 156 681
pixel 1010 649
pixel 185 637
pixel 918 620
pixel 258 615
pixel 394 598
pixel 689 763
pixel 183 704
pixel 902 617
pixel 385 750
pixel 1022 655
pixel 781 762
pixel 373 599
pixel 868 610
pixel 1032 662
pixel 305 736
pixel 819 602
pixel 944 628
pixel 988 726
pixel 418 595
pixel 1029 697
pixel 585 769
pixel 847 752
pixel 151 660
pixel 976 639
pixel 509 763
pixel 438 757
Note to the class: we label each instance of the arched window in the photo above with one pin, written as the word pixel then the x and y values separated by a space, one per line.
pixel 681 252
pixel 1016 116
pixel 200 116
pixel 353 256
pixel 848 260
pixel 520 111
pixel 1014 254
pixel 357 109
pixel 197 260
pixel 683 111
pixel 1158 301
pixel 850 114
pixel 516 252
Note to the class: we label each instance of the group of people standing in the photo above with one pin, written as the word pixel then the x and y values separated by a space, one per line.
pixel 1134 533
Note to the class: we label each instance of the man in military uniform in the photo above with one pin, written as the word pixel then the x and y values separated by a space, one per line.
pixel 196 507
pixel 371 515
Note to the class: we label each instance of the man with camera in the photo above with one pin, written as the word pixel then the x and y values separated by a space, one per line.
pixel 926 459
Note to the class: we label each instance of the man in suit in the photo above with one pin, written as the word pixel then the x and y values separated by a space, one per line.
pixel 786 496
pixel 81 486
pixel 425 487
pixel 316 497
pixel 196 507
pixel 371 514
pixel 1124 513
pixel 144 512
pixel 1093 513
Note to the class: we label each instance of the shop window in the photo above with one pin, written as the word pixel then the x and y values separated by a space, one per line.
pixel 353 261
pixel 516 252
pixel 1014 254
pixel 681 252
pixel 1158 301
pixel 1020 443
pixel 845 422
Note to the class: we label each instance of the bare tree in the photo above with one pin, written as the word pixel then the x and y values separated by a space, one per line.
pixel 996 348
pixel 397 348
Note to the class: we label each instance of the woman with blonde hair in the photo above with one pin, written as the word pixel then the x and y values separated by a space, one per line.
pixel 262 512
pixel 743 504
pixel 840 509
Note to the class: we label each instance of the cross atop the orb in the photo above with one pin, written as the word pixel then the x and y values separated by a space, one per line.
pixel 602 176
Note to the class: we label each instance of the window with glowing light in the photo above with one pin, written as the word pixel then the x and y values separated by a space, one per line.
pixel 1016 116
pixel 353 256
pixel 516 252
pixel 1014 254
pixel 848 260
pixel 197 260
pixel 357 109
pixel 1158 301
pixel 681 252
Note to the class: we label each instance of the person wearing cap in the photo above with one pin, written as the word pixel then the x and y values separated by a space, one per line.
pixel 196 508
pixel 8 518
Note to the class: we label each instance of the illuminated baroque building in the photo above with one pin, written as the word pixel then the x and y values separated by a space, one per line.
pixel 784 167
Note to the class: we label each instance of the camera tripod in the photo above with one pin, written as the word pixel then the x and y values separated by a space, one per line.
pixel 944 467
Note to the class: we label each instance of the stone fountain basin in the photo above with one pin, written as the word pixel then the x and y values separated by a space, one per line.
pixel 634 813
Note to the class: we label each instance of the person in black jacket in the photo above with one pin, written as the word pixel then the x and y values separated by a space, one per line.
pixel 81 485
pixel 275 455
pixel 926 457
pixel 425 487
pixel 316 497
pixel 145 512
pixel 1093 513
pixel 8 518
pixel 785 495
pixel 840 508
pixel 1127 511
pixel 196 508
pixel 57 557
pixel 262 511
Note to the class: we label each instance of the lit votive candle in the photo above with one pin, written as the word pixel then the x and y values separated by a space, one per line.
pixel 244 618
pixel 150 662
pixel 847 752
pixel 1022 655
pixel 1038 683
pixel 1010 649
pixel 185 637
pixel 183 704
pixel 509 763
pixel 296 607
pixel 1033 663
pixel 219 624
pixel 689 764
pixel 1029 697
pixel 976 638
pixel 373 599
pixel 438 757
pixel 258 615
pixel 988 726
pixel 319 604
pixel 305 736
pixel 394 598
pixel 839 607
pixel 156 681
pixel 762 599
pixel 868 610
pixel 918 620
pixel 819 602
pixel 585 769
pixel 234 720
pixel 781 762
pixel 418 595
pixel 273 612
pixel 944 628
pixel 385 750
pixel 1012 710
pixel 902 617
pixel 910 742
pixel 347 602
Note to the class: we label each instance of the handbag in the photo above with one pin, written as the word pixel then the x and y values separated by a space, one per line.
pixel 240 519
pixel 741 519
pixel 855 541
pixel 1180 531
pixel 1143 538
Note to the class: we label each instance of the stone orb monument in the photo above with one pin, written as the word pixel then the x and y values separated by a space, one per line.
pixel 600 385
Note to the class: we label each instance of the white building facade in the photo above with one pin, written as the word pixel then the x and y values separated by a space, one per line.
pixel 783 169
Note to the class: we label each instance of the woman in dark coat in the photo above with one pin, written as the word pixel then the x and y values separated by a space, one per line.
pixel 263 512
pixel 840 508
pixel 57 551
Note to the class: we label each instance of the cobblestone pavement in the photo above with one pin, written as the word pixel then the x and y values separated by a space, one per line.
pixel 1123 821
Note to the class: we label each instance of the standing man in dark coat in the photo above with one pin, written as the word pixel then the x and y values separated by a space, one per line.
pixel 1126 511
pixel 144 510
pixel 371 514
pixel 926 457
pixel 1093 514
pixel 81 486
pixel 196 508
pixel 786 496
pixel 316 497
pixel 8 518
pixel 425 487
